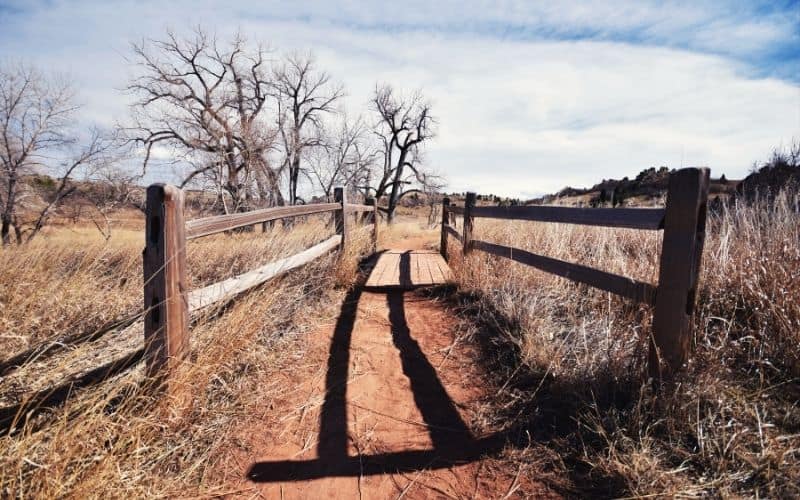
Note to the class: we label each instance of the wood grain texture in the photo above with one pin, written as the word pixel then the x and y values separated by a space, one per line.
pixel 452 232
pixel 445 225
pixel 229 288
pixel 341 222
pixel 469 221
pixel 166 323
pixel 219 223
pixel 376 219
pixel 626 287
pixel 359 208
pixel 455 209
pixel 633 218
pixel 408 269
pixel 681 253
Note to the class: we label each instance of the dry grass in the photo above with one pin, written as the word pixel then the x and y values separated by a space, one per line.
pixel 120 439
pixel 570 359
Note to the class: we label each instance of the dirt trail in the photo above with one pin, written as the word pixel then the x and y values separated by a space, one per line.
pixel 384 404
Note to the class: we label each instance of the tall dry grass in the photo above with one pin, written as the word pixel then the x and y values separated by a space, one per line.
pixel 571 360
pixel 125 437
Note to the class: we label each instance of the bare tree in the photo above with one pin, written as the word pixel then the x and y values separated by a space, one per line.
pixel 345 158
pixel 304 94
pixel 36 114
pixel 208 102
pixel 99 152
pixel 112 188
pixel 432 185
pixel 404 125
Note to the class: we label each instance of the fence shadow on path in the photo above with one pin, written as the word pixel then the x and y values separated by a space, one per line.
pixel 452 440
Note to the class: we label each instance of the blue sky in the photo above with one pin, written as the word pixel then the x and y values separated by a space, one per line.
pixel 530 96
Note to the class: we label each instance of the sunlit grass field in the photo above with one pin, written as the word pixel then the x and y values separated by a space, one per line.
pixel 572 358
pixel 119 437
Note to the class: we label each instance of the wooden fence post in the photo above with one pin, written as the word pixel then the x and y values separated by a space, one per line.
pixel 375 220
pixel 340 221
pixel 469 203
pixel 681 253
pixel 445 222
pixel 166 323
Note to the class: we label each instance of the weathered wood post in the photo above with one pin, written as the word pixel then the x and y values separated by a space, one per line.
pixel 340 221
pixel 445 223
pixel 469 204
pixel 166 323
pixel 681 253
pixel 375 220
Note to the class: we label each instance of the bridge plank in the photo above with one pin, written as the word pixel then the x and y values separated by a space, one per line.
pixel 425 268
pixel 433 269
pixel 416 269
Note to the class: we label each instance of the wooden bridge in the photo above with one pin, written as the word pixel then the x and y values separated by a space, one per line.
pixel 408 269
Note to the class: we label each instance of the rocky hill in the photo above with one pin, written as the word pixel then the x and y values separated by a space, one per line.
pixel 647 188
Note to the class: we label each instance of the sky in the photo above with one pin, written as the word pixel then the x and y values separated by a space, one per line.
pixel 529 96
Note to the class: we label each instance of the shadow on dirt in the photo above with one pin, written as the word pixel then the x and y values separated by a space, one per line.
pixel 535 411
pixel 453 443
pixel 547 412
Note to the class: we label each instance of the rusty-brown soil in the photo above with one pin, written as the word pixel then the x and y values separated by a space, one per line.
pixel 385 402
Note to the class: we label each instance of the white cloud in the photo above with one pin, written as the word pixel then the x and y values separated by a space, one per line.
pixel 517 116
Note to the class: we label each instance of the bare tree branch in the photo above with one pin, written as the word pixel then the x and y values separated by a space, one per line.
pixel 208 102
pixel 35 117
pixel 304 94
pixel 404 125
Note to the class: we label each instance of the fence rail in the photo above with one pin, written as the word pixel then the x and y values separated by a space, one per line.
pixel 453 232
pixel 167 300
pixel 626 287
pixel 219 223
pixel 683 223
pixel 633 218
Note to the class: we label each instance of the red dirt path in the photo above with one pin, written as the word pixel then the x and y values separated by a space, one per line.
pixel 385 403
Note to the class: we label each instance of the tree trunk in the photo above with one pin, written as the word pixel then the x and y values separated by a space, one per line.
pixel 294 176
pixel 5 231
pixel 18 232
pixel 393 196
pixel 8 210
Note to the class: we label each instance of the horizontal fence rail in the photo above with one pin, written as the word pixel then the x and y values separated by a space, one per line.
pixel 454 209
pixel 219 223
pixel 360 208
pixel 453 232
pixel 683 223
pixel 626 287
pixel 633 218
pixel 167 301
pixel 231 287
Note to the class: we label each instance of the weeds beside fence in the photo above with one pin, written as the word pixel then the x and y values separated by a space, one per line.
pixel 117 437
pixel 683 221
pixel 569 358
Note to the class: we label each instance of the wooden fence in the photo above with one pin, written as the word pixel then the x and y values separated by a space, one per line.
pixel 683 222
pixel 167 300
